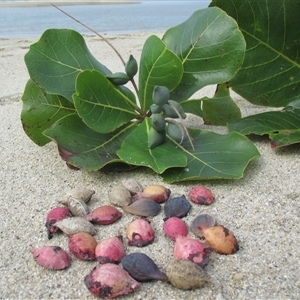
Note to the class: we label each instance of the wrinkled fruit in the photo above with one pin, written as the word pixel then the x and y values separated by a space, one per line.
pixel 110 281
pixel 81 194
pixel 104 215
pixel 77 207
pixel 110 250
pixel 141 267
pixel 132 186
pixel 51 257
pixel 82 245
pixel 201 195
pixel 143 208
pixel 120 196
pixel 191 249
pixel 74 225
pixel 54 215
pixel 173 227
pixel 186 275
pixel 177 207
pixel 201 222
pixel 140 233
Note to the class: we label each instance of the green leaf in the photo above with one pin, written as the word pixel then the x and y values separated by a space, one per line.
pixel 215 157
pixel 193 106
pixel 40 110
pixel 103 106
pixel 211 48
pixel 84 148
pixel 283 127
pixel 220 109
pixel 270 74
pixel 135 151
pixel 57 58
pixel 158 66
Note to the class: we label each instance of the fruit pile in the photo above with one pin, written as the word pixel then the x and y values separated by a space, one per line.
pixel 108 279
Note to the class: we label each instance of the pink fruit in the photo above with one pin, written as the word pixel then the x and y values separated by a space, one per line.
pixel 110 281
pixel 140 233
pixel 54 215
pixel 51 257
pixel 156 192
pixel 82 245
pixel 174 227
pixel 104 215
pixel 201 195
pixel 110 250
pixel 191 249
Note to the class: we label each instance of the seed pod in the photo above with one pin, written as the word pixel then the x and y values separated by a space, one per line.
pixel 120 196
pixel 173 227
pixel 104 215
pixel 158 122
pixel 186 275
pixel 81 194
pixel 220 239
pixel 74 225
pixel 142 268
pixel 131 66
pixel 156 192
pixel 155 109
pixel 177 207
pixel 118 78
pixel 51 257
pixel 161 95
pixel 143 208
pixel 139 233
pixel 110 281
pixel 82 245
pixel 133 186
pixel 54 215
pixel 191 249
pixel 170 112
pixel 155 138
pixel 77 207
pixel 201 195
pixel 176 132
pixel 110 250
pixel 201 222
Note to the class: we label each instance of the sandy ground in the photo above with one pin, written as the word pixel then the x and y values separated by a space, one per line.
pixel 262 209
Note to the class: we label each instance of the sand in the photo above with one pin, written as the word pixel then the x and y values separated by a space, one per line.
pixel 262 209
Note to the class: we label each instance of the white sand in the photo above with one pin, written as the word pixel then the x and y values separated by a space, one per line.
pixel 262 209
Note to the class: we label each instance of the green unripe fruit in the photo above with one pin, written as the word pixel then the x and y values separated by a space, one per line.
pixel 131 67
pixel 155 138
pixel 171 113
pixel 155 109
pixel 161 95
pixel 118 78
pixel 176 132
pixel 158 122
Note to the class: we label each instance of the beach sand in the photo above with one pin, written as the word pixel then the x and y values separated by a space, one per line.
pixel 262 209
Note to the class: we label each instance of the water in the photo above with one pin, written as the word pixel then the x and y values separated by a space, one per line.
pixel 120 18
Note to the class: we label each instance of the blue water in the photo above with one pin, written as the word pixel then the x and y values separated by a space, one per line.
pixel 143 16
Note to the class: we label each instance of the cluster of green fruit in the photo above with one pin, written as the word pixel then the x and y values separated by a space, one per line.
pixel 161 108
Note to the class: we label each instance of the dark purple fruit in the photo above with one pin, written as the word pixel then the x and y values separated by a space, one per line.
pixel 177 207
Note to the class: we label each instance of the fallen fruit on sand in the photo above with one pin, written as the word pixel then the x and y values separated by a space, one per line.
pixel 177 207
pixel 141 267
pixel 186 275
pixel 143 208
pixel 74 225
pixel 104 215
pixel 51 257
pixel 81 194
pixel 120 196
pixel 173 227
pixel 202 221
pixel 201 195
pixel 110 281
pixel 133 186
pixel 54 215
pixel 156 192
pixel 77 207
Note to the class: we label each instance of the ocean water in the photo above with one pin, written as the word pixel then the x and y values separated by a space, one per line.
pixel 110 18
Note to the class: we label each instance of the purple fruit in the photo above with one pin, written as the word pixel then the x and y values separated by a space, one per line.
pixel 54 215
pixel 177 207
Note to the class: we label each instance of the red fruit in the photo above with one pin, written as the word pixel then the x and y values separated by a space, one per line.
pixel 139 233
pixel 54 215
pixel 174 227
pixel 156 192
pixel 191 249
pixel 110 281
pixel 201 195
pixel 104 215
pixel 82 245
pixel 110 250
pixel 51 257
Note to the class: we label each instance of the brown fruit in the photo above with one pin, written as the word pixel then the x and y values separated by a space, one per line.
pixel 143 208
pixel 156 192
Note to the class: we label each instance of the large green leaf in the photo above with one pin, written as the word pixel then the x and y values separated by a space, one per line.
pixel 40 110
pixel 84 148
pixel 57 58
pixel 283 127
pixel 102 105
pixel 211 48
pixel 158 66
pixel 215 156
pixel 270 74
pixel 135 151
